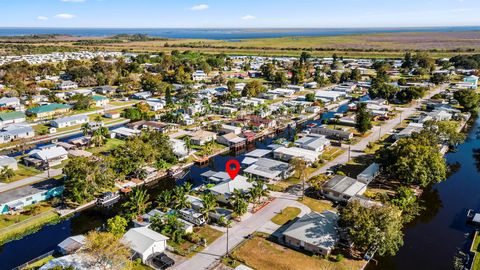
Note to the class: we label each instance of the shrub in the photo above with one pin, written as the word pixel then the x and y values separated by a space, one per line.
pixel 193 237
pixel 339 257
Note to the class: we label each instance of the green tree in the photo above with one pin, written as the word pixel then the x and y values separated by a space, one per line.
pixel 268 71
pixel 179 198
pixel 363 118
pixel 468 99
pixel 117 225
pixel 106 251
pixel 6 174
pixel 300 167
pixel 253 89
pixel 446 131
pixel 164 200
pixel 210 205
pixel 239 202
pixel 406 200
pixel 137 203
pixel 378 227
pixel 310 97
pixel 280 78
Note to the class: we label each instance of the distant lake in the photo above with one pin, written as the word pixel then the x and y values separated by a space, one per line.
pixel 223 34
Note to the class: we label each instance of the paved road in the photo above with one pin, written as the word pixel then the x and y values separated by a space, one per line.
pixel 30 180
pixel 212 253
pixel 377 132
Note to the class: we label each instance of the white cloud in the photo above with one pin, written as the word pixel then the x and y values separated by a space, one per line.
pixel 42 18
pixel 65 16
pixel 73 1
pixel 249 17
pixel 200 7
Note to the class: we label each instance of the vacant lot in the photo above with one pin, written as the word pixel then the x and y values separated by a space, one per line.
pixel 287 214
pixel 262 254
pixel 317 205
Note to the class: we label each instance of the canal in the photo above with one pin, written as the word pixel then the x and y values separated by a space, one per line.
pixel 17 252
pixel 433 239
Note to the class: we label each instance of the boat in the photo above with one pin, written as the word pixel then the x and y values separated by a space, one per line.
pixel 108 199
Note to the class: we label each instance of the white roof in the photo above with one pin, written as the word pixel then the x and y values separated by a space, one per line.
pixel 142 238
pixel 370 171
pixel 240 183
pixel 6 160
pixel 257 153
pixel 49 153
pixel 308 155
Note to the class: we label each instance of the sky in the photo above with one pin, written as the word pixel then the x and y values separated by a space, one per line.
pixel 238 14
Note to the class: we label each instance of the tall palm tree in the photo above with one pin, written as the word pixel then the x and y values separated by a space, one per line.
pixel 180 198
pixel 300 167
pixel 164 200
pixel 187 187
pixel 137 203
pixel 239 202
pixel 86 129
pixel 210 205
pixel 188 143
pixel 256 192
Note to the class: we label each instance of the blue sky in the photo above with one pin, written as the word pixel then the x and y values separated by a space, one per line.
pixel 238 14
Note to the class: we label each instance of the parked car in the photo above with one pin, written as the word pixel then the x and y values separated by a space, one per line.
pixel 162 261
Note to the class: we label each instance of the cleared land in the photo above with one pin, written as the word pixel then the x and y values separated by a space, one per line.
pixel 287 214
pixel 262 254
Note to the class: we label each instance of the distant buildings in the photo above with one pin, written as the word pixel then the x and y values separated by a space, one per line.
pixel 199 75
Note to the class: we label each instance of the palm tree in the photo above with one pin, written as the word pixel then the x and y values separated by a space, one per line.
pixel 86 129
pixel 210 205
pixel 173 227
pixel 209 148
pixel 180 198
pixel 164 200
pixel 99 136
pixel 6 173
pixel 188 143
pixel 239 202
pixel 256 192
pixel 187 187
pixel 300 167
pixel 137 202
pixel 98 118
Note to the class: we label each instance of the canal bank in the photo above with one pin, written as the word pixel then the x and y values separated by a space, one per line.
pixel 46 239
pixel 432 240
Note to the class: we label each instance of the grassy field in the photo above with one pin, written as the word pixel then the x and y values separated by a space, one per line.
pixel 206 232
pixel 317 205
pixel 262 254
pixel 386 45
pixel 287 214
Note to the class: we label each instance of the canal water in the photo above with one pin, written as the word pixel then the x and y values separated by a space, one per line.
pixel 433 239
pixel 17 252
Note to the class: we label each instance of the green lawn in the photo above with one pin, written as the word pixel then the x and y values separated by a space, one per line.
pixel 30 211
pixel 39 263
pixel 286 215
pixel 109 146
pixel 476 248
pixel 332 153
pixel 23 172
pixel 316 205
pixel 206 232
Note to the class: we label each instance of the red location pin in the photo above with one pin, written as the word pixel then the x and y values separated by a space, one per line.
pixel 232 172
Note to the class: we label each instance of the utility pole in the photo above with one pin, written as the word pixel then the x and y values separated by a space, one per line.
pixel 349 148
pixel 380 133
pixel 228 225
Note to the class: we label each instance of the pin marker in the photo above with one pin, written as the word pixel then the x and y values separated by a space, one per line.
pixel 232 172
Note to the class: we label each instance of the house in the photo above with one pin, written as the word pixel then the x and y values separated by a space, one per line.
pixel 288 153
pixel 472 80
pixel 8 162
pixel 67 85
pixel 112 115
pixel 104 90
pixel 201 137
pixel 269 169
pixel 156 105
pixel 12 118
pixel 69 121
pixel 346 88
pixel 313 109
pixel 142 95
pixel 10 102
pixel 282 92
pixel 316 143
pixel 100 101
pixel 199 75
pixel 224 190
pixel 332 133
pixel 17 199
pixel 367 175
pixel 314 232
pixel 218 177
pixel 342 188
pixel 15 132
pixel 71 245
pixel 124 133
pixel 409 130
pixel 47 157
pixel 329 96
pixel 49 110
pixel 231 140
pixel 311 85
pixel 296 88
pixel 145 242
pixel 225 129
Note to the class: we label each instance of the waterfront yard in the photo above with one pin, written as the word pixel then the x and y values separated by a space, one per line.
pixel 286 215
pixel 476 249
pixel 262 254
pixel 23 172
pixel 109 146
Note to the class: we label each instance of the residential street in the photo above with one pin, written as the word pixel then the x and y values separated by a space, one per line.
pixel 211 254
pixel 377 132
pixel 30 180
